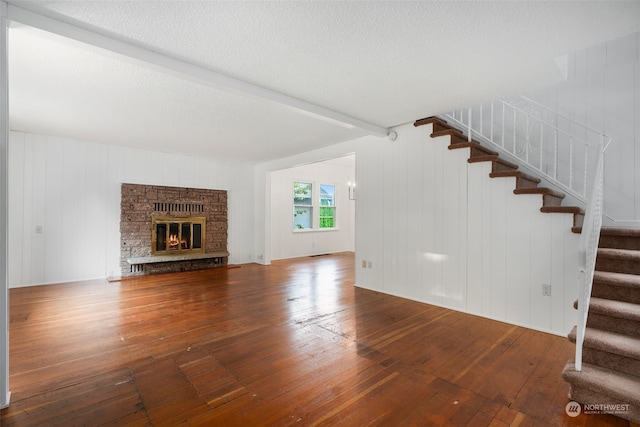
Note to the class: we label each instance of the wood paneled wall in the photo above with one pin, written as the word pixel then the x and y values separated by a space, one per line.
pixel 432 227
pixel 70 190
pixel 602 91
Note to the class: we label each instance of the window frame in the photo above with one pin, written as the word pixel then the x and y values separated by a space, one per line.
pixel 297 226
pixel 315 206
pixel 332 206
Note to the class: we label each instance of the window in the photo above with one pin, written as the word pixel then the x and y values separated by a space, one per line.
pixel 313 206
pixel 302 205
pixel 327 206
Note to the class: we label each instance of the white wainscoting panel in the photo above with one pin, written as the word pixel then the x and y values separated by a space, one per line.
pixel 499 192
pixel 541 244
pixel 369 215
pixel 431 211
pixel 414 219
pixel 385 211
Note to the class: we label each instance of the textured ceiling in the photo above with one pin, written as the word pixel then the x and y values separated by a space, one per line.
pixel 385 62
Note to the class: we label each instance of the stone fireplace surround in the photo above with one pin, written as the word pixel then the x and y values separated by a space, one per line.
pixel 140 202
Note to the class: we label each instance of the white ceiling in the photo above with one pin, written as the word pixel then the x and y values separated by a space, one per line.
pixel 384 62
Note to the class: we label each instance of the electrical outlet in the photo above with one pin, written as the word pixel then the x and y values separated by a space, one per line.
pixel 39 229
pixel 546 290
pixel 369 264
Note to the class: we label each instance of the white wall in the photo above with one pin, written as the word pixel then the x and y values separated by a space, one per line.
pixel 262 195
pixel 287 243
pixel 602 91
pixel 439 230
pixel 72 190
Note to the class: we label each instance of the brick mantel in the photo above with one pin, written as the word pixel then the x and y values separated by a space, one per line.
pixel 140 202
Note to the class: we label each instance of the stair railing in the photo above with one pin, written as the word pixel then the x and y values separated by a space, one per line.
pixel 552 146
pixel 587 252
pixel 558 149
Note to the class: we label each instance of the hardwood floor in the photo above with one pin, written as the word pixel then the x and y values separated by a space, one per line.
pixel 294 343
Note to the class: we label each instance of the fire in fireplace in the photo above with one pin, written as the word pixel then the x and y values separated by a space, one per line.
pixel 171 235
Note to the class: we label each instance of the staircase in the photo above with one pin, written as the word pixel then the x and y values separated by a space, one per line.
pixel 500 168
pixel 611 355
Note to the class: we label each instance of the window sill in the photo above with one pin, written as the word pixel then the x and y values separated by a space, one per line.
pixel 312 230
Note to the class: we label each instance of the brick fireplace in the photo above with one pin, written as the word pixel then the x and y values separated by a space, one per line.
pixel 199 217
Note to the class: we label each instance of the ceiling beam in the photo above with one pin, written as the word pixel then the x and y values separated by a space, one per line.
pixel 186 70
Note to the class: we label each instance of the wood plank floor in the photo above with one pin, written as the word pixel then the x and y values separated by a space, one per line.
pixel 294 343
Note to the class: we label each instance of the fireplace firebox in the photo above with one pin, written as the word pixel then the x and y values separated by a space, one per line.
pixel 171 235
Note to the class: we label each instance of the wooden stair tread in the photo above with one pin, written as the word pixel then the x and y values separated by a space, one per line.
pixel 430 120
pixel 493 158
pixel 608 382
pixel 610 342
pixel 539 190
pixel 473 145
pixel 621 254
pixel 450 132
pixel 514 173
pixel 613 308
pixel 616 279
pixel 562 209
